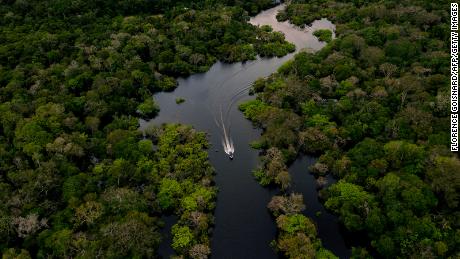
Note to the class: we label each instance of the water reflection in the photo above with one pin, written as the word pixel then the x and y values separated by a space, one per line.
pixel 243 225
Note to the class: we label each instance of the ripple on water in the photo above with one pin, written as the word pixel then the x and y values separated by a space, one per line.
pixel 243 225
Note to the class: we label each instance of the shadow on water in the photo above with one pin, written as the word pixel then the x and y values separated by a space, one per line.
pixel 165 250
pixel 243 225
pixel 329 229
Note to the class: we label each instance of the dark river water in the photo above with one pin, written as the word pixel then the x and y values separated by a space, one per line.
pixel 243 225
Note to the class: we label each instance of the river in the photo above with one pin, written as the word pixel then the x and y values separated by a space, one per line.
pixel 243 225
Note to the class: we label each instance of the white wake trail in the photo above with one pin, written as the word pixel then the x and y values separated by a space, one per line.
pixel 227 142
pixel 225 124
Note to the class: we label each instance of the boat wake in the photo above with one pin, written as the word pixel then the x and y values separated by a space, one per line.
pixel 222 118
pixel 227 142
pixel 226 103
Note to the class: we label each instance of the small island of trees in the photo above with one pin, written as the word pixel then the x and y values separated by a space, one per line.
pixel 374 106
pixel 77 177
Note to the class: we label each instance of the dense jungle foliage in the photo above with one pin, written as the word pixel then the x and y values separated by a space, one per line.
pixel 77 178
pixel 374 104
pixel 297 233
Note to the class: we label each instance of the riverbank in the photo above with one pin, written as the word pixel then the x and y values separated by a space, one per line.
pixel 243 226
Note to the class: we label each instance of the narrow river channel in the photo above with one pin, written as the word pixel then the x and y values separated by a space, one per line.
pixel 243 226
